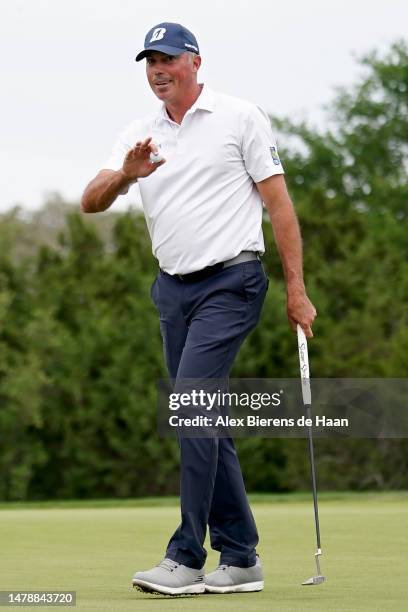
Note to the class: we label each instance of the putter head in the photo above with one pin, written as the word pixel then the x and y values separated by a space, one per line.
pixel 314 580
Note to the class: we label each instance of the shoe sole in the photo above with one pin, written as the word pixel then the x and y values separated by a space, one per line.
pixel 150 587
pixel 247 587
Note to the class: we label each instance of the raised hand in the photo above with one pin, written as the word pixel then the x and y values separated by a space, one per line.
pixel 137 162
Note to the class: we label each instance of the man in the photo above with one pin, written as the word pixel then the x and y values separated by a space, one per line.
pixel 203 208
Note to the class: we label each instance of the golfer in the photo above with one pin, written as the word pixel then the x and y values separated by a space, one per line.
pixel 205 164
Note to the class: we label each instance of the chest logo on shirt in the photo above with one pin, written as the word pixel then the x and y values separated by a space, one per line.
pixel 275 156
pixel 158 34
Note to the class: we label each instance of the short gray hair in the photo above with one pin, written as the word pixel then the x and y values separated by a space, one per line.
pixel 191 54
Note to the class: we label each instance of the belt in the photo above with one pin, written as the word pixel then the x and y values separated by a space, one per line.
pixel 210 270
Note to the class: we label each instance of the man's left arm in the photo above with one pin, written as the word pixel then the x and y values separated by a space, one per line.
pixel 288 240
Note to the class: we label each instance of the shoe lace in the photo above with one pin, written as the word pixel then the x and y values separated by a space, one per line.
pixel 222 567
pixel 168 565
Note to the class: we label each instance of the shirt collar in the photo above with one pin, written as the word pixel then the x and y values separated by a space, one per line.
pixel 205 101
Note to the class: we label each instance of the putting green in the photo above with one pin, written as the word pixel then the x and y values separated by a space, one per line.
pixel 94 549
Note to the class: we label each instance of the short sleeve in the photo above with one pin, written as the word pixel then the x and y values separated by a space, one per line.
pixel 259 150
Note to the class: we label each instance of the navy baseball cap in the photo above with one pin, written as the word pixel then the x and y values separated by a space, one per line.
pixel 170 38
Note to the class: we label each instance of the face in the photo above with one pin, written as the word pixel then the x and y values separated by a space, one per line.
pixel 172 77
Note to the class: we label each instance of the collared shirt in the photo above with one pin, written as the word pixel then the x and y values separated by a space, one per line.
pixel 202 205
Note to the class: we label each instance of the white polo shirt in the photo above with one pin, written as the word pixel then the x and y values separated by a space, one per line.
pixel 202 205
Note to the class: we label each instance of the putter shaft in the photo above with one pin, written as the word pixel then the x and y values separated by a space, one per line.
pixel 307 400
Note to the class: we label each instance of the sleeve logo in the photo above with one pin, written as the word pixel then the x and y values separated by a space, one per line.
pixel 275 156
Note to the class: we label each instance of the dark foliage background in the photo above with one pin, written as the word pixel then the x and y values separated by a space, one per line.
pixel 80 349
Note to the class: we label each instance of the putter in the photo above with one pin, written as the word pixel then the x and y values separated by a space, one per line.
pixel 307 400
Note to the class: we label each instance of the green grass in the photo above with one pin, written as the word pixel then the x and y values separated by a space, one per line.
pixel 95 547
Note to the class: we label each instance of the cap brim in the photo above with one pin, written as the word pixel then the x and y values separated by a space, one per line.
pixel 162 48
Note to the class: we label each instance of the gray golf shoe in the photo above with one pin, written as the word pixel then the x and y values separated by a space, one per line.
pixel 170 578
pixel 231 579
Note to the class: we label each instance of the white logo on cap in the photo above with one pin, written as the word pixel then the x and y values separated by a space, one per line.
pixel 158 34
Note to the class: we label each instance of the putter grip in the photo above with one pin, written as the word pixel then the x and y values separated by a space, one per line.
pixel 304 366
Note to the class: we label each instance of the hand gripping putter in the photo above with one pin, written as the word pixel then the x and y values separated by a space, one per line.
pixel 307 400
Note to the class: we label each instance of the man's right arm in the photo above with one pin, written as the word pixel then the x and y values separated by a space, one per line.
pixel 103 190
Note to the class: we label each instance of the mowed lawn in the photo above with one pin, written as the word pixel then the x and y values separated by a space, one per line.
pixel 94 549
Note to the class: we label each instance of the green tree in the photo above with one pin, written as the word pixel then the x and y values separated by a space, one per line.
pixel 349 185
pixel 80 348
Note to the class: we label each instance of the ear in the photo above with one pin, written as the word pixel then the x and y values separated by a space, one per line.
pixel 196 63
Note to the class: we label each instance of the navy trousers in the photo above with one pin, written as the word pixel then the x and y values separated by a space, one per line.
pixel 203 324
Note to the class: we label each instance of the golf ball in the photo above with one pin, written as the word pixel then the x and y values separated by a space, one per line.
pixel 155 158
